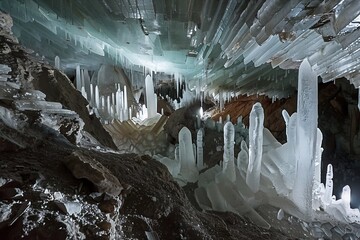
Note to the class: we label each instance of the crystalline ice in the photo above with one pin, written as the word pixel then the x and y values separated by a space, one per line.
pixel 280 214
pixel 306 139
pixel 151 101
pixel 228 158
pixel 328 185
pixel 172 165
pixel 36 105
pixel 255 147
pixel 188 170
pixel 78 78
pixel 125 98
pixel 200 150
pixel 57 62
pixel 83 92
pixel 346 196
pixel 97 97
pixel 243 159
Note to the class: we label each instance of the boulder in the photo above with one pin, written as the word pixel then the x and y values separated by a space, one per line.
pixel 84 166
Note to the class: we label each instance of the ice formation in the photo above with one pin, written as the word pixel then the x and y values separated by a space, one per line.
pixel 188 170
pixel 57 62
pixel 288 175
pixel 228 158
pixel 306 138
pixel 151 98
pixel 199 150
pixel 255 147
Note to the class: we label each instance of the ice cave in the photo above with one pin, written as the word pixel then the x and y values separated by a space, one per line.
pixel 180 119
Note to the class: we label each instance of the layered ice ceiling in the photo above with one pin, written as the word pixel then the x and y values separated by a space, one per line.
pixel 243 46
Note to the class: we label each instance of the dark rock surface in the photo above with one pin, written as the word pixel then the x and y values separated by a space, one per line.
pixel 33 73
pixel 83 166
pixel 152 203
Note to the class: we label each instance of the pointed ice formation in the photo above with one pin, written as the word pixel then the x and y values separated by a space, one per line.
pixel 228 158
pixel 57 62
pixel 243 159
pixel 255 147
pixel 199 150
pixel 306 137
pixel 188 170
pixel 346 197
pixel 327 198
pixel 78 78
pixel 151 99
pixel 97 97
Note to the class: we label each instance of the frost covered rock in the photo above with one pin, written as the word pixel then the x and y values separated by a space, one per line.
pixel 83 165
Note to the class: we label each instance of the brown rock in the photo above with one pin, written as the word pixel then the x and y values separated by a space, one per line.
pixel 107 206
pixel 83 165
pixel 104 225
pixel 8 146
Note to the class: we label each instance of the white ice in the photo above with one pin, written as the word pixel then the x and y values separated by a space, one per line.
pixel 255 147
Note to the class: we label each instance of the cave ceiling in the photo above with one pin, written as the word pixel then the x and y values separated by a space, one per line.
pixel 239 46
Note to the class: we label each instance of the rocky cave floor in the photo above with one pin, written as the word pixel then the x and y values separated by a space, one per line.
pixel 41 199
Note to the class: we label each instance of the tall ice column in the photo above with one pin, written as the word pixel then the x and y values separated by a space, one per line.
pixel 188 170
pixel 151 101
pixel 306 138
pixel 228 158
pixel 256 129
pixel 200 150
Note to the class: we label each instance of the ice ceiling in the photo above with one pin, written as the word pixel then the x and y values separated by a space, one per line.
pixel 245 46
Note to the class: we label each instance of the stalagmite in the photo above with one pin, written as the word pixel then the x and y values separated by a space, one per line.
pixel 102 101
pixel 151 101
pixel 228 157
pixel 346 197
pixel 83 92
pixel 57 62
pixel 243 156
pixel 255 147
pixel 188 169
pixel 78 78
pixel 306 138
pixel 97 97
pixel 327 198
pixel 108 105
pixel 200 150
pixel 91 95
pixel 125 98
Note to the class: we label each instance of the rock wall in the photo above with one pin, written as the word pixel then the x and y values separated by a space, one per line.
pixel 58 88
pixel 33 73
